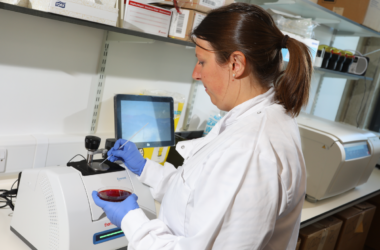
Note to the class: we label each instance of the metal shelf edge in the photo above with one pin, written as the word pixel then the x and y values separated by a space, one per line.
pixel 81 22
pixel 336 74
pixel 315 5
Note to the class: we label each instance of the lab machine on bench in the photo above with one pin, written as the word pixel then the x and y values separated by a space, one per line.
pixel 55 209
pixel 338 156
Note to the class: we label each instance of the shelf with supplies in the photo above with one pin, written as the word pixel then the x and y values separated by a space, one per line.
pixel 306 8
pixel 337 74
pixel 66 19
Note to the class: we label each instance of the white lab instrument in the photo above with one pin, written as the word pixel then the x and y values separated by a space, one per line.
pixel 338 156
pixel 55 209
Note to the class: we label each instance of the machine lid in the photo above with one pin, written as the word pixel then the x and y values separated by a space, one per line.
pixel 81 166
pixel 343 132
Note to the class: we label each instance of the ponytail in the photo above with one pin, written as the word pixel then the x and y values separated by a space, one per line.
pixel 292 85
pixel 251 30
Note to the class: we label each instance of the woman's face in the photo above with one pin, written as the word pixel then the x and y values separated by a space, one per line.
pixel 214 77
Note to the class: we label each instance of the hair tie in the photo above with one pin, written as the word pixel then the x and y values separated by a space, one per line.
pixel 284 41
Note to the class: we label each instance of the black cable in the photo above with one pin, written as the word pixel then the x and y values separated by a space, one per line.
pixel 76 156
pixel 8 195
pixel 361 103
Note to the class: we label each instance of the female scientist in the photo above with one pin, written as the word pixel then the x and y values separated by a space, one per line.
pixel 243 185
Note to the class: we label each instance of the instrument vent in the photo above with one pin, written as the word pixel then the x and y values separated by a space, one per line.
pixel 53 219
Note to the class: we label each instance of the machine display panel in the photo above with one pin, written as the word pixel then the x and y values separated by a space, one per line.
pixel 132 112
pixel 356 150
pixel 108 235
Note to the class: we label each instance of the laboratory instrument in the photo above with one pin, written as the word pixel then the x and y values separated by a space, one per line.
pixel 359 65
pixel 92 144
pixel 55 208
pixel 338 156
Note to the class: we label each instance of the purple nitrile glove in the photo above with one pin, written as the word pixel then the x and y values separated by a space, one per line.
pixel 129 154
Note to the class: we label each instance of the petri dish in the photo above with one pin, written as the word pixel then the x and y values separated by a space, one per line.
pixel 114 194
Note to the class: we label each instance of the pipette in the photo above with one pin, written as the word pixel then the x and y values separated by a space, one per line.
pixel 127 141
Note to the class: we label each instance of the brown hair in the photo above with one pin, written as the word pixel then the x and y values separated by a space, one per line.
pixel 251 30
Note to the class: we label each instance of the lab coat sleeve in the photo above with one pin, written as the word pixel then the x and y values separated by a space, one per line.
pixel 235 207
pixel 157 177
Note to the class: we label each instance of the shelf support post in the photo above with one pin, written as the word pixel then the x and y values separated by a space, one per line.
pixel 101 80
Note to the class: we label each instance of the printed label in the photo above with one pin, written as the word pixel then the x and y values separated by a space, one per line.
pixel 212 4
pixel 181 20
pixel 338 10
pixel 179 23
pixel 146 18
pixel 60 4
pixel 151 8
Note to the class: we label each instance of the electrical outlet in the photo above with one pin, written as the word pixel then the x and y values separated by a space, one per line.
pixel 3 159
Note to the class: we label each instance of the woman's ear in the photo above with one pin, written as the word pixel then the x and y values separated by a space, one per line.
pixel 238 63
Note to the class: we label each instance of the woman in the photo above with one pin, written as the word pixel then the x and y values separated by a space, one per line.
pixel 243 185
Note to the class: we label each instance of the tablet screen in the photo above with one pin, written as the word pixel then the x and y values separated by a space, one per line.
pixel 133 112
pixel 136 114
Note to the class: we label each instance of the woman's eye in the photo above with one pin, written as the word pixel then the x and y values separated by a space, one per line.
pixel 200 63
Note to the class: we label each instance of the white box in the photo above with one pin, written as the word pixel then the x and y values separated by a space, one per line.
pixel 146 18
pixel 80 9
pixel 372 17
pixel 310 43
pixel 22 3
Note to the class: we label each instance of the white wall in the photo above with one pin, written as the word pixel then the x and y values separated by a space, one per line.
pixel 134 67
pixel 46 69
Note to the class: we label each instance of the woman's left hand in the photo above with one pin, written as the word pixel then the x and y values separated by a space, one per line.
pixel 116 211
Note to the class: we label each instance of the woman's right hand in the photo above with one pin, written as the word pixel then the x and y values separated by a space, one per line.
pixel 129 154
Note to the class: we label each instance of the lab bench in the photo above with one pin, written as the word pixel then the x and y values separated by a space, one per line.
pixel 311 212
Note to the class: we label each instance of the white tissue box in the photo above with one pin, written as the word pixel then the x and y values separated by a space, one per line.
pixel 147 18
pixel 80 9
pixel 22 3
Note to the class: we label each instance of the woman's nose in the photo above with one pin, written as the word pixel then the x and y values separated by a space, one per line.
pixel 197 73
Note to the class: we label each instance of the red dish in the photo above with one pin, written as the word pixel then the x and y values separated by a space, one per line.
pixel 114 195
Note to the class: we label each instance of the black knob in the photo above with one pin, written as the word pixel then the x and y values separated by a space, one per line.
pixel 110 143
pixel 92 142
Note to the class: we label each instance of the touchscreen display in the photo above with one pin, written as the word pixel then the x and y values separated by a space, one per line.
pixel 356 150
pixel 135 114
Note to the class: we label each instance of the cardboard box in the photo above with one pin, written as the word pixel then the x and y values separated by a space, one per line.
pixel 321 235
pixel 356 223
pixel 78 9
pixel 373 239
pixel 366 12
pixel 146 18
pixel 198 5
pixel 298 243
pixel 183 24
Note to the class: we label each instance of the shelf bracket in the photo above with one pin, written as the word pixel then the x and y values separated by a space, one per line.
pixel 101 80
pixel 190 105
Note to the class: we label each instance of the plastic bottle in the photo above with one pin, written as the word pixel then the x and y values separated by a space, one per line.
pixel 212 120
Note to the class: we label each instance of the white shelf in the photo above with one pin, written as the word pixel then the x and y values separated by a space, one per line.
pixel 306 8
pixel 337 74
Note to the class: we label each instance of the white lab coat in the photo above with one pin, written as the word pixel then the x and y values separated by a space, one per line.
pixel 240 187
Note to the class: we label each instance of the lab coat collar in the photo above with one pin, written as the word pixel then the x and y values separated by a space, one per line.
pixel 255 104
pixel 188 148
pixel 258 102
